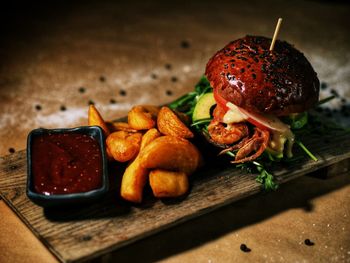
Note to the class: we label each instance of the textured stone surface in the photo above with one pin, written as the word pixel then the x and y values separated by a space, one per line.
pixel 141 52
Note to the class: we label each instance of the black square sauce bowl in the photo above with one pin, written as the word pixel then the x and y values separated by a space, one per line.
pixel 66 166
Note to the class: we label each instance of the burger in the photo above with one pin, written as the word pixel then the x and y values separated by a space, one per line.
pixel 254 85
pixel 252 99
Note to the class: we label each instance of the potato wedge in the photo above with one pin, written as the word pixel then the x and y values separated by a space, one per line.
pixel 123 146
pixel 168 184
pixel 170 124
pixel 135 175
pixel 184 118
pixel 149 137
pixel 110 157
pixel 95 118
pixel 143 117
pixel 133 182
pixel 119 126
pixel 171 153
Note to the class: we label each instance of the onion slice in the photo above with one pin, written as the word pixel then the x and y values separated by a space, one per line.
pixel 263 121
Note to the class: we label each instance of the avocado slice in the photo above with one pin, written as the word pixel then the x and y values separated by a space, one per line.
pixel 203 106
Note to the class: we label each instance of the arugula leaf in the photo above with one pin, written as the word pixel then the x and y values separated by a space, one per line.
pixel 201 125
pixel 201 121
pixel 184 101
pixel 306 150
pixel 265 178
pixel 203 86
pixel 296 121
pixel 187 102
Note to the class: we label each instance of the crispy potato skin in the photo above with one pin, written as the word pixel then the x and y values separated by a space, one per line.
pixel 119 126
pixel 171 153
pixel 143 117
pixel 109 154
pixel 168 184
pixel 133 182
pixel 163 157
pixel 95 119
pixel 135 175
pixel 170 124
pixel 149 137
pixel 184 118
pixel 123 146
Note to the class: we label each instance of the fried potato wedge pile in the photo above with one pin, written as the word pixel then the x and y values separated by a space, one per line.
pixel 135 175
pixel 184 156
pixel 143 117
pixel 170 124
pixel 154 142
pixel 95 119
pixel 167 183
pixel 123 146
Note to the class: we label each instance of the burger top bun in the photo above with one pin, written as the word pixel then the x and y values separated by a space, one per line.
pixel 278 82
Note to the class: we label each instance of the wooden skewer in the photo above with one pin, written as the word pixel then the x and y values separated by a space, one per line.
pixel 277 29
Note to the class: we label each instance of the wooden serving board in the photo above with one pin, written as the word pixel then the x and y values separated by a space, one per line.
pixel 85 232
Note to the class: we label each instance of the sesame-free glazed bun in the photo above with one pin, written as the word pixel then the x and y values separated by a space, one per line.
pixel 278 82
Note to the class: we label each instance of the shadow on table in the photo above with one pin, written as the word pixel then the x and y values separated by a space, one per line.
pixel 295 194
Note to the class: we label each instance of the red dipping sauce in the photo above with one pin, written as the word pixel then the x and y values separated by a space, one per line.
pixel 66 163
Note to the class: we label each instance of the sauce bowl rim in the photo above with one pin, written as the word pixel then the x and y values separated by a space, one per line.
pixel 95 132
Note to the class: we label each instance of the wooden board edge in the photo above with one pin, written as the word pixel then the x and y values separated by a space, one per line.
pixel 325 164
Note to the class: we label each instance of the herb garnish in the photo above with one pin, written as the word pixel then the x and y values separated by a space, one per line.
pixel 187 102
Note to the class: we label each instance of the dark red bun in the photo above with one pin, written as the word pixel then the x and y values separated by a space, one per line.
pixel 247 74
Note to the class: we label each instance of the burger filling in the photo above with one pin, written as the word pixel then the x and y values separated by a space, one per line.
pixel 254 140
pixel 248 134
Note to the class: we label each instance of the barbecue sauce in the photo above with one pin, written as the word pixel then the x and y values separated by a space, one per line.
pixel 66 163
